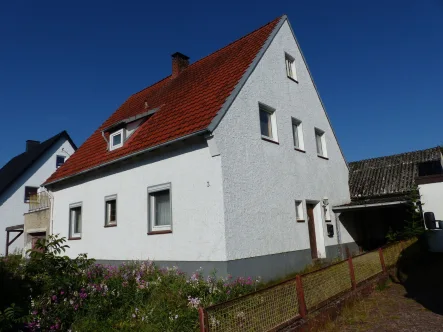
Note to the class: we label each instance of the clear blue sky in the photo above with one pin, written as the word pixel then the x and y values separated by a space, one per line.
pixel 70 64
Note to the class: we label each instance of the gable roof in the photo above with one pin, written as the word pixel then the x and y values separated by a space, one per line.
pixel 391 175
pixel 13 169
pixel 190 104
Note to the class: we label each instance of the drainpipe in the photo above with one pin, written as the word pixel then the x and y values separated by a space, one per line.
pixel 107 142
pixel 337 227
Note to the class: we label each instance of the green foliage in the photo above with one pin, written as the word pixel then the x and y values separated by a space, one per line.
pixel 78 295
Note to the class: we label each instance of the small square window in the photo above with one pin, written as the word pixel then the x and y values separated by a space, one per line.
pixel 268 126
pixel 116 139
pixel 320 142
pixel 290 67
pixel 60 160
pixel 29 192
pixel 297 134
pixel 299 211
pixel 111 210
pixel 160 208
pixel 75 220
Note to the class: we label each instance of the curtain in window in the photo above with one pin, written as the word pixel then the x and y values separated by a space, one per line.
pixel 162 208
pixel 265 124
pixel 295 133
pixel 319 144
pixel 289 67
pixel 78 220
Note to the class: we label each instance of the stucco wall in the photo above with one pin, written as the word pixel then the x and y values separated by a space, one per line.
pixel 432 198
pixel 12 205
pixel 261 180
pixel 197 209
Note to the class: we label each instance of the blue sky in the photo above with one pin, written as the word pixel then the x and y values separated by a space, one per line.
pixel 70 64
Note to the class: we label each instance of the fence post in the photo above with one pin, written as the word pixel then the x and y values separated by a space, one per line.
pixel 382 260
pixel 201 319
pixel 352 273
pixel 300 296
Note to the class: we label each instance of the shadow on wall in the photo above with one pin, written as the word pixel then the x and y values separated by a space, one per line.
pixel 421 273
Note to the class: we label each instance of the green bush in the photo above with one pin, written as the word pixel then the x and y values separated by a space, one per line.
pixel 79 295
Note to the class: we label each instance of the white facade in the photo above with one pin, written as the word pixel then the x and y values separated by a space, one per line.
pixel 432 198
pixel 262 180
pixel 12 204
pixel 233 196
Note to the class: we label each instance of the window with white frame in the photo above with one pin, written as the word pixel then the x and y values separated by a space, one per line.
pixel 299 214
pixel 116 139
pixel 268 124
pixel 160 208
pixel 75 220
pixel 290 67
pixel 111 210
pixel 60 160
pixel 320 141
pixel 297 134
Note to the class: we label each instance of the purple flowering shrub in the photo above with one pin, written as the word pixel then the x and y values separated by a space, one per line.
pixel 78 295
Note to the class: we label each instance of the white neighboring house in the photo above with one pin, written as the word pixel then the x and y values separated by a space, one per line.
pixel 229 163
pixel 431 192
pixel 21 178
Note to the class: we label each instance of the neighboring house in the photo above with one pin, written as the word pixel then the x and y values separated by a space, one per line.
pixel 379 190
pixel 20 180
pixel 228 163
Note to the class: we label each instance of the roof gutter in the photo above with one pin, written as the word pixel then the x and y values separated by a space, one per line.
pixel 197 133
pixel 362 206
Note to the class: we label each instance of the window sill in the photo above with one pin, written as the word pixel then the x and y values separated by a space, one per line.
pixel 300 150
pixel 292 79
pixel 110 225
pixel 74 238
pixel 267 139
pixel 322 157
pixel 300 220
pixel 160 232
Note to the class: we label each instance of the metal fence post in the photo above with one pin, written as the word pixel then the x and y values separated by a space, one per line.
pixel 300 296
pixel 382 260
pixel 201 319
pixel 352 273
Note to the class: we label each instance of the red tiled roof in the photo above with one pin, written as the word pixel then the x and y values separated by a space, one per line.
pixel 188 104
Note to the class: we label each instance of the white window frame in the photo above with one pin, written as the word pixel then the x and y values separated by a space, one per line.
pixel 111 139
pixel 291 70
pixel 72 234
pixel 151 207
pixel 321 133
pixel 297 129
pixel 107 211
pixel 271 111
pixel 299 210
pixel 59 156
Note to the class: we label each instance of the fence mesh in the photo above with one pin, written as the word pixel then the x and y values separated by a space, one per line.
pixel 366 266
pixel 256 312
pixel 321 285
pixel 391 254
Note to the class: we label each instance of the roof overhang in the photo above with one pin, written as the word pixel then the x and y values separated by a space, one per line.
pixel 15 228
pixel 366 206
pixel 429 179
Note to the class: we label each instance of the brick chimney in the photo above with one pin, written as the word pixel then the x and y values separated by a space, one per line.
pixel 31 144
pixel 179 63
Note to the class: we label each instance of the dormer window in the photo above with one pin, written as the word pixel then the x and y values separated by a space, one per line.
pixel 116 139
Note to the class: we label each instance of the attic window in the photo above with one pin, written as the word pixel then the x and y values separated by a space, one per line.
pixel 291 71
pixel 116 139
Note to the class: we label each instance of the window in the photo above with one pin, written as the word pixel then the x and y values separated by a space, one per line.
pixel 290 67
pixel 111 210
pixel 299 211
pixel 268 125
pixel 116 140
pixel 60 160
pixel 30 191
pixel 297 134
pixel 320 141
pixel 75 221
pixel 159 207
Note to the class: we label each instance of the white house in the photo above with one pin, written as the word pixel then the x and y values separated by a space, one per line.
pixel 21 178
pixel 431 194
pixel 228 163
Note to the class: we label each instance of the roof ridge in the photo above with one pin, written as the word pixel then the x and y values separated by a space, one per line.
pixel 210 54
pixel 393 155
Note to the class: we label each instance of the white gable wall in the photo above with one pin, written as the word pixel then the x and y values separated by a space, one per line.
pixel 261 180
pixel 12 205
pixel 432 198
pixel 197 210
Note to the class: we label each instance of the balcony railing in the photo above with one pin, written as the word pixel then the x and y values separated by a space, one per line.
pixel 40 201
